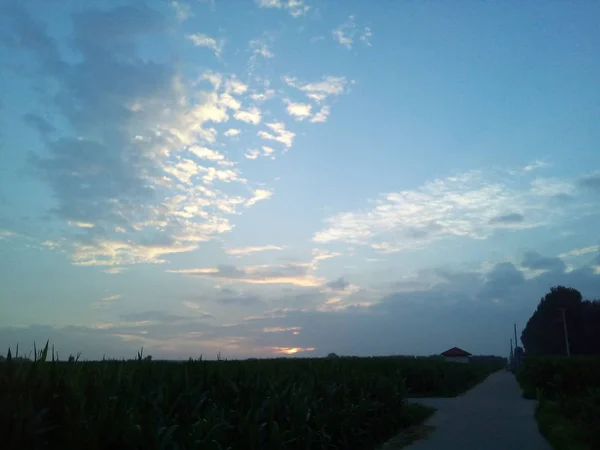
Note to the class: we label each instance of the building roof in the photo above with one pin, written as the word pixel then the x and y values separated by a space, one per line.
pixel 455 351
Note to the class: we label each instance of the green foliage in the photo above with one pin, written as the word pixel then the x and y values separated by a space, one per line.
pixel 569 393
pixel 343 403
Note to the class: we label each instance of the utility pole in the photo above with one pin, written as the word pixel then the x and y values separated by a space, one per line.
pixel 566 332
pixel 511 359
pixel 516 344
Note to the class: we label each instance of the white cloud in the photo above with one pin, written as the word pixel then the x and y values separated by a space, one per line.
pixel 106 302
pixel 252 154
pixel 260 47
pixel 81 224
pixel 206 153
pixel 268 151
pixel 259 194
pixel 261 97
pixel 203 40
pixel 244 251
pixel 295 8
pixel 282 135
pixel 321 116
pixel 197 309
pixel 320 90
pixel 252 116
pixel 581 251
pixel 299 111
pixel 5 234
pixel 538 164
pixel 228 101
pixel 467 205
pixel 232 132
pixel 366 36
pixel 183 11
pixel 115 270
pixel 346 33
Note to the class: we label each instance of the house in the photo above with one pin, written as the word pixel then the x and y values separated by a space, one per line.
pixel 456 354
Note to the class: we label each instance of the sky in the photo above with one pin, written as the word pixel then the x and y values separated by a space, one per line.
pixel 293 177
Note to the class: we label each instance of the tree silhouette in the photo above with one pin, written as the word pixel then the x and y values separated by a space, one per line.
pixel 544 333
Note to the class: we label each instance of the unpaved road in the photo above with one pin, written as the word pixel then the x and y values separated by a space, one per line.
pixel 491 416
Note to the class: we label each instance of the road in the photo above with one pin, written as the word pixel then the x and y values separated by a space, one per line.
pixel 491 416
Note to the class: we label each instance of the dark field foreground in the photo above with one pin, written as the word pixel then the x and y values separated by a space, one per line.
pixel 341 403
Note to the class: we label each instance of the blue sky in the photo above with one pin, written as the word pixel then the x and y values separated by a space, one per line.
pixel 261 178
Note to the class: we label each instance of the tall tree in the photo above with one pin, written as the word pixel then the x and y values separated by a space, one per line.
pixel 544 333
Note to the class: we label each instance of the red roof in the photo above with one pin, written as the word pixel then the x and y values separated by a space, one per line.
pixel 455 351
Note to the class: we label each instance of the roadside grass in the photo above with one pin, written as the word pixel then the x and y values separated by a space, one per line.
pixel 561 432
pixel 418 430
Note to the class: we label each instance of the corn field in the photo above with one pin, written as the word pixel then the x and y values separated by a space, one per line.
pixel 342 403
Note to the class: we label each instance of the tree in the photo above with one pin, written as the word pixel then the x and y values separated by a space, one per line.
pixel 544 333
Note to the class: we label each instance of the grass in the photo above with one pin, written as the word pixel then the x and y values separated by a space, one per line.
pixel 568 394
pixel 561 433
pixel 414 432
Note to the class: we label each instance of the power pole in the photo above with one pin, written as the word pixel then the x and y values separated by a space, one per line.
pixel 566 332
pixel 516 344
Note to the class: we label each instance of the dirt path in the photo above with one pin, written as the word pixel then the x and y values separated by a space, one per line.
pixel 491 416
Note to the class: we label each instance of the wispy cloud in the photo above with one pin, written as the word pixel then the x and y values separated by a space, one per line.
pixel 106 302
pixel 296 8
pixel 183 11
pixel 346 33
pixel 252 116
pixel 282 135
pixel 259 195
pixel 581 251
pixel 203 40
pixel 245 251
pixel 320 90
pixel 321 116
pixel 295 274
pixel 468 205
pixel 261 48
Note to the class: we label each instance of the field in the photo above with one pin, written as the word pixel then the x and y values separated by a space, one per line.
pixel 568 390
pixel 338 403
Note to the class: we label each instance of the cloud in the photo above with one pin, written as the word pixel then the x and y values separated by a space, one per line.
pixel 232 132
pixel 106 302
pixel 197 309
pixel 282 135
pixel 263 96
pixel 468 205
pixel 510 218
pixel 366 36
pixel 346 33
pixel 321 116
pixel 581 251
pixel 294 274
pixel 203 40
pixel 320 90
pixel 338 285
pixel 299 111
pixel 591 182
pixel 115 270
pixel 259 194
pixel 535 261
pixel 5 234
pixel 260 47
pixel 537 164
pixel 245 251
pixel 141 164
pixel 232 298
pixel 252 116
pixel 182 10
pixel 252 154
pixel 296 8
